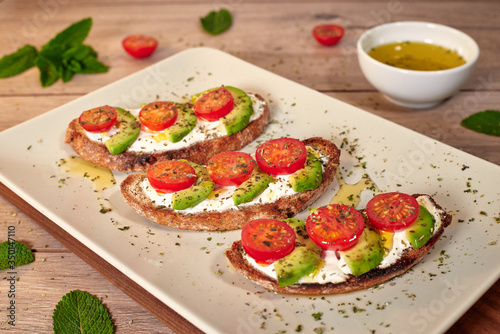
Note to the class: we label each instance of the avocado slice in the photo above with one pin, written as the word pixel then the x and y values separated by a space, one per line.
pixel 309 177
pixel 194 195
pixel 239 117
pixel 185 122
pixel 422 228
pixel 305 259
pixel 128 131
pixel 252 187
pixel 366 254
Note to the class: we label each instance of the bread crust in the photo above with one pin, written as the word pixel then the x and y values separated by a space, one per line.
pixel 412 256
pixel 236 218
pixel 127 161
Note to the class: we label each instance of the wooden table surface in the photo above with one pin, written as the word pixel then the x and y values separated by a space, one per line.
pixel 275 36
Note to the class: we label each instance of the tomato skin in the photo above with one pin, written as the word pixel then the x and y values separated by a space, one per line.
pixel 158 116
pixel 392 211
pixel 139 46
pixel 99 119
pixel 267 240
pixel 335 227
pixel 328 34
pixel 171 175
pixel 215 104
pixel 281 156
pixel 230 168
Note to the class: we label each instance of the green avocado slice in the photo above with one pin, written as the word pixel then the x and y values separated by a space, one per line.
pixel 128 131
pixel 309 177
pixel 305 259
pixel 366 254
pixel 422 228
pixel 191 197
pixel 252 187
pixel 185 122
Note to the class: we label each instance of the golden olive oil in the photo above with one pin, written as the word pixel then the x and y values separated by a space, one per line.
pixel 350 194
pixel 102 178
pixel 418 56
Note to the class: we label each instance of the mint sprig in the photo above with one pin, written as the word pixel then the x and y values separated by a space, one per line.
pixel 216 22
pixel 61 58
pixel 81 313
pixel 13 254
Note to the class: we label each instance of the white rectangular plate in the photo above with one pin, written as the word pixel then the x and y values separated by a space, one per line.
pixel 187 270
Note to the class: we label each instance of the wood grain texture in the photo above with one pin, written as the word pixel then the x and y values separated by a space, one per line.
pixel 274 36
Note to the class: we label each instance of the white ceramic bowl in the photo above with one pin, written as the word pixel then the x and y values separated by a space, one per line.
pixel 416 89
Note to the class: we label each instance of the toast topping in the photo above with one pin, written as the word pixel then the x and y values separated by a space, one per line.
pixel 399 239
pixel 337 267
pixel 203 130
pixel 220 200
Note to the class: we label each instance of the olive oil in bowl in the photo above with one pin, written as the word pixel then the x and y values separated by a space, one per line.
pixel 418 56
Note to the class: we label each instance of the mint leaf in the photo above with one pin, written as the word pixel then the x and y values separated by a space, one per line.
pixel 50 67
pixel 73 35
pixel 66 72
pixel 13 254
pixel 216 22
pixel 18 62
pixel 79 52
pixel 81 313
pixel 91 65
pixel 487 122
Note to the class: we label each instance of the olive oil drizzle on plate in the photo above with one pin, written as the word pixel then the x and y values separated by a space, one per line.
pixel 417 56
pixel 350 194
pixel 102 178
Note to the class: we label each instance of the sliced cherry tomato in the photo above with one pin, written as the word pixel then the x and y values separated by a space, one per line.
pixel 215 104
pixel 281 156
pixel 267 240
pixel 328 34
pixel 159 115
pixel 99 119
pixel 171 175
pixel 230 168
pixel 392 211
pixel 139 46
pixel 335 227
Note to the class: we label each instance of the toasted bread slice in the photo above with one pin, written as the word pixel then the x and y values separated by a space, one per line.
pixel 236 217
pixel 128 161
pixel 411 256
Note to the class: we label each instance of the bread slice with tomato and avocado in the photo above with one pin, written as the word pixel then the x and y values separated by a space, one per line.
pixel 217 120
pixel 339 249
pixel 284 177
